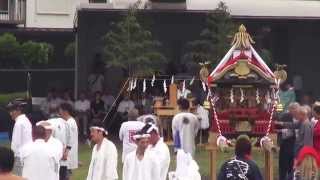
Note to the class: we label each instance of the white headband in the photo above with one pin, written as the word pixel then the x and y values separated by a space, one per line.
pixel 152 127
pixel 139 136
pixel 100 129
pixel 47 126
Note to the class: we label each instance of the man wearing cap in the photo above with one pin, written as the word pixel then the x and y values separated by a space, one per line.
pixel 38 159
pixel 104 160
pixel 55 144
pixel 71 152
pixel 141 164
pixel 127 130
pixel 21 132
pixel 158 147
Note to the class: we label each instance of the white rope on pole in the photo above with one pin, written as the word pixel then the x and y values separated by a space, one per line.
pixel 117 98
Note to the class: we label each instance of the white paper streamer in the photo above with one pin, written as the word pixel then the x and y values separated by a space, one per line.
pixel 231 96
pixel 242 95
pixel 191 82
pixel 184 86
pixel 165 86
pixel 204 87
pixel 144 88
pixel 129 86
pixel 172 80
pixel 134 83
pixel 258 96
pixel 274 96
pixel 277 81
pixel 268 98
pixel 153 80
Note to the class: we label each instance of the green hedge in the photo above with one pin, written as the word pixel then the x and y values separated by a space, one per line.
pixel 5 98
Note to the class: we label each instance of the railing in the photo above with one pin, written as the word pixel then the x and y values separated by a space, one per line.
pixel 15 14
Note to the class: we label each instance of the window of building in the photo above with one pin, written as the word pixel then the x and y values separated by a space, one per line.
pixel 4 5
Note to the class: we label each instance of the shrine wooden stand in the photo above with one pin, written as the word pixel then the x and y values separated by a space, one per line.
pixel 213 154
pixel 165 112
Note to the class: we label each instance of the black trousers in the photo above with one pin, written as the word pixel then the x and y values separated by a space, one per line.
pixel 63 173
pixel 286 158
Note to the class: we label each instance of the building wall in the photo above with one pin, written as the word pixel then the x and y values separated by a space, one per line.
pixel 52 13
pixel 60 13
pixel 304 60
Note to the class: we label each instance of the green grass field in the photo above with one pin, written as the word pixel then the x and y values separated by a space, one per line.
pixel 202 157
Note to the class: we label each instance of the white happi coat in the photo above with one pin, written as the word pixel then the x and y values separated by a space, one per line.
pixel 127 130
pixel 39 161
pixel 187 125
pixel 203 114
pixel 57 148
pixel 163 155
pixel 21 134
pixel 73 154
pixel 103 165
pixel 62 132
pixel 187 168
pixel 146 169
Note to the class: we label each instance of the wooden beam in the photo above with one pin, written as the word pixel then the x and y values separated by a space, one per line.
pixel 212 148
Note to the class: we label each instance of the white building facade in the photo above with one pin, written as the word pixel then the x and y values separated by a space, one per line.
pixel 62 13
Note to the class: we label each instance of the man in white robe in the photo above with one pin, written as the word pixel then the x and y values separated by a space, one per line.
pixel 141 164
pixel 38 159
pixel 202 114
pixel 187 168
pixel 21 132
pixel 55 144
pixel 185 127
pixel 158 147
pixel 61 131
pixel 71 153
pixel 127 130
pixel 104 160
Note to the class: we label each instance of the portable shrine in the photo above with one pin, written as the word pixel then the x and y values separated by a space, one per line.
pixel 244 97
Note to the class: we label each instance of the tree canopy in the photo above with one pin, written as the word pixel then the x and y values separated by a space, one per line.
pixel 130 46
pixel 14 54
pixel 214 39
